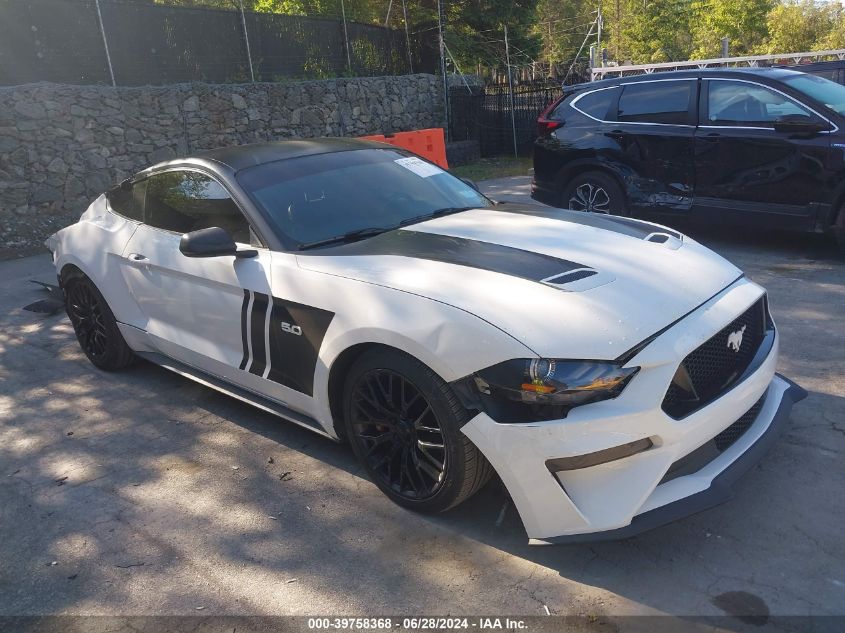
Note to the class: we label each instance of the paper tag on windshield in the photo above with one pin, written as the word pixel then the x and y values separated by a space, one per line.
pixel 419 167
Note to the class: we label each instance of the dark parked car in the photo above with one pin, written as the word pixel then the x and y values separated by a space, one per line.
pixel 761 147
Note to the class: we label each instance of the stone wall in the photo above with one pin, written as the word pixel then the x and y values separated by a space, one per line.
pixel 61 146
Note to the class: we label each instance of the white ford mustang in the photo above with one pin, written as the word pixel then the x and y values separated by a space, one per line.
pixel 614 373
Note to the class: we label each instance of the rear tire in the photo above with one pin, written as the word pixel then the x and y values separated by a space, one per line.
pixel 403 422
pixel 95 326
pixel 596 192
pixel 838 229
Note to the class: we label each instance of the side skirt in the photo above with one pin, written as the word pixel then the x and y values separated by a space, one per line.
pixel 244 395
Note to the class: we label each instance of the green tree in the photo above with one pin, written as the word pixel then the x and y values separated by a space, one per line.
pixel 742 21
pixel 651 31
pixel 795 27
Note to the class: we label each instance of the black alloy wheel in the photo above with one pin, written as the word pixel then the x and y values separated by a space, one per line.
pixel 86 315
pixel 404 444
pixel 95 326
pixel 404 424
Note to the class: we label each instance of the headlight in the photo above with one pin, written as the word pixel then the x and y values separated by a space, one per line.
pixel 533 389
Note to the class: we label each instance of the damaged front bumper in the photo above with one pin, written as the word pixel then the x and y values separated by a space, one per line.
pixel 613 469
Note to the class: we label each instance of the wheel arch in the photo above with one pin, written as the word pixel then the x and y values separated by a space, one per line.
pixel 837 206
pixel 339 370
pixel 70 271
pixel 570 171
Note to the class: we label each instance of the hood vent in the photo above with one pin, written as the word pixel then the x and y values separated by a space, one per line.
pixel 578 279
pixel 673 242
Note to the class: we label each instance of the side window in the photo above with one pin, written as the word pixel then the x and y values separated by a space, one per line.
pixel 597 103
pixel 185 201
pixel 743 104
pixel 128 201
pixel 655 102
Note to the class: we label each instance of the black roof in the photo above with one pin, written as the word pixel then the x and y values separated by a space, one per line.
pixel 765 73
pixel 239 157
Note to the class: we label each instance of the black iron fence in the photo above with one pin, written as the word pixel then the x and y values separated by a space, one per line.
pixel 66 41
pixel 502 126
pixel 485 116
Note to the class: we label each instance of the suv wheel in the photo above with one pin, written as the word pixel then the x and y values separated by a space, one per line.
pixel 595 192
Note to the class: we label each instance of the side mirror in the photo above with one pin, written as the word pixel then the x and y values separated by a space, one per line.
pixel 471 183
pixel 211 242
pixel 799 124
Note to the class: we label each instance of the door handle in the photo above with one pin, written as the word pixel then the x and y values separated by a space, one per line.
pixel 617 134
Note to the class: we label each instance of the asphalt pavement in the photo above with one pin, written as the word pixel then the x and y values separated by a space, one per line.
pixel 140 492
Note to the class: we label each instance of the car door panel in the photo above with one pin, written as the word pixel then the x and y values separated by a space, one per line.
pixel 216 314
pixel 660 163
pixel 655 133
pixel 747 170
pixel 191 303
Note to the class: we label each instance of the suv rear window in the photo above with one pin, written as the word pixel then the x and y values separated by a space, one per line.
pixel 596 103
pixel 655 102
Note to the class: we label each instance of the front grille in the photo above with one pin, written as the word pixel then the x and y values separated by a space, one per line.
pixel 714 367
pixel 703 455
pixel 726 438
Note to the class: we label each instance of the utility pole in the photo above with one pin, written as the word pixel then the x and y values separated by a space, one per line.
pixel 440 32
pixel 598 33
pixel 617 21
pixel 510 91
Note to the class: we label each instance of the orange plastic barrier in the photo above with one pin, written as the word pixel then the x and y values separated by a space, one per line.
pixel 429 144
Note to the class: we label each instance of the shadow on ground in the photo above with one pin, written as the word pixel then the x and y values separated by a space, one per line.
pixel 140 492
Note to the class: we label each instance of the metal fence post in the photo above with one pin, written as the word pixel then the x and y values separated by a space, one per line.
pixel 407 37
pixel 510 91
pixel 246 38
pixel 442 42
pixel 346 37
pixel 105 42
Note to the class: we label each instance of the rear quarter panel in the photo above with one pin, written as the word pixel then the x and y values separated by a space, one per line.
pixel 95 245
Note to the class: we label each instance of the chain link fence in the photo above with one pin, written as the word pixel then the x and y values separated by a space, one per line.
pixel 71 41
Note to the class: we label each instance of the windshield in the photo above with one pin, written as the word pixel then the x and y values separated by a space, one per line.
pixel 822 90
pixel 312 199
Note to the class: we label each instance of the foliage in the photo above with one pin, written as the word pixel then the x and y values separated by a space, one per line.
pixel 656 30
pixel 743 22
pixel 796 27
pixel 552 31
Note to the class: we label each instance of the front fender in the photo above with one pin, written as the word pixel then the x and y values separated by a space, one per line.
pixel 451 342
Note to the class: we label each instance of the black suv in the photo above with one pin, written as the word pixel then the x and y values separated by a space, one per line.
pixel 742 146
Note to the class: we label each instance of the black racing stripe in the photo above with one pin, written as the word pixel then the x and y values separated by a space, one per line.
pixel 625 226
pixel 460 251
pixel 259 314
pixel 244 308
pixel 296 334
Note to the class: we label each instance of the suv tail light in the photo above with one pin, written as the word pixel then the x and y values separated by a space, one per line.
pixel 545 125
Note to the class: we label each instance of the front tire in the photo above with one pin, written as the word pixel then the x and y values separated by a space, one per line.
pixel 403 422
pixel 95 326
pixel 596 192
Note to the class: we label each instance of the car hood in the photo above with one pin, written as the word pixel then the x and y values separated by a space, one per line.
pixel 565 284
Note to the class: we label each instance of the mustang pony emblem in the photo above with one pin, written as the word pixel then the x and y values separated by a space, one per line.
pixel 735 339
